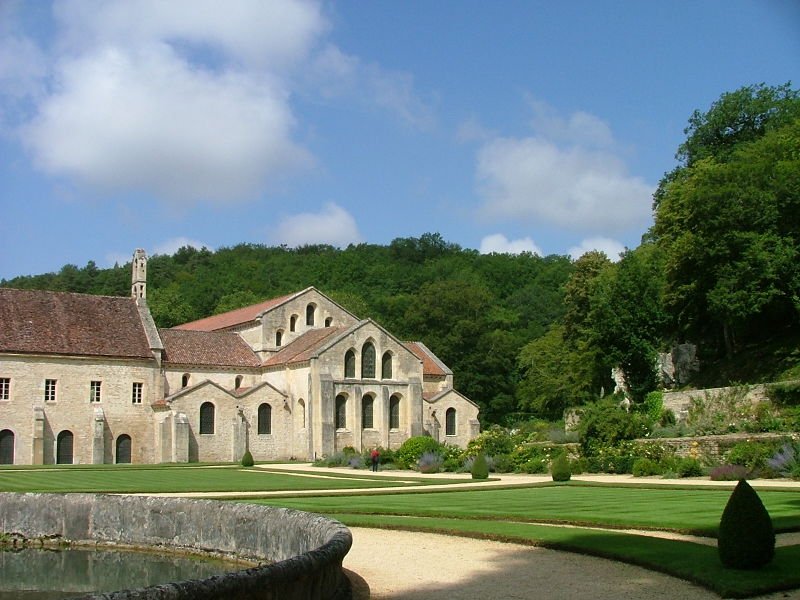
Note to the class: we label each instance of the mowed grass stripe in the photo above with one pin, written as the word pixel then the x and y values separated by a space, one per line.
pixel 133 480
pixel 692 562
pixel 690 511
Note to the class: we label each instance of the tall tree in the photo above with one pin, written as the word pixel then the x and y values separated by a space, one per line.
pixel 729 224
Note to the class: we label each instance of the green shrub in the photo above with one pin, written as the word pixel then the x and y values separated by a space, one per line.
pixel 247 459
pixel 413 448
pixel 491 442
pixel 653 406
pixel 645 467
pixel 534 466
pixel 752 454
pixel 784 394
pixel 605 424
pixel 560 470
pixel 688 467
pixel 480 470
pixel 503 463
pixel 667 418
pixel 746 538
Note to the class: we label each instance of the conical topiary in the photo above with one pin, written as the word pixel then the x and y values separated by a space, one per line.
pixel 247 459
pixel 746 537
pixel 560 470
pixel 480 468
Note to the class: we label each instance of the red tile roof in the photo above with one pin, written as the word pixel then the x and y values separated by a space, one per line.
pixel 203 348
pixel 431 365
pixel 42 322
pixel 234 317
pixel 303 348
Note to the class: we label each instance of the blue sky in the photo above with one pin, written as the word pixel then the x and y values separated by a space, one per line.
pixel 505 126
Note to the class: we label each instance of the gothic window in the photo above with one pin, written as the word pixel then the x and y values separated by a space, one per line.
pixel 265 419
pixel 6 447
pixel 207 418
pixel 124 449
pixel 450 421
pixel 350 364
pixel 394 412
pixel 368 361
pixel 64 444
pixel 310 310
pixel 302 408
pixel 279 337
pixel 386 366
pixel 293 323
pixel 341 412
pixel 367 403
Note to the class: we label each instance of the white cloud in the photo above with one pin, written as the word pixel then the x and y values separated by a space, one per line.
pixel 579 128
pixel 612 248
pixel 535 180
pixel 339 75
pixel 498 243
pixel 147 120
pixel 168 247
pixel 332 225
pixel 22 67
pixel 263 34
pixel 172 245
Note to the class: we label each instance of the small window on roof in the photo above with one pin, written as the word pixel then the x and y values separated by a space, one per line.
pixel 279 337
pixel 311 309
pixel 185 380
pixel 293 323
pixel 328 321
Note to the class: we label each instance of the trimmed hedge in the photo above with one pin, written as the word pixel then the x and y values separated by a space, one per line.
pixel 746 537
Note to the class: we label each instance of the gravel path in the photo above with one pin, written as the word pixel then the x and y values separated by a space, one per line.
pixel 400 565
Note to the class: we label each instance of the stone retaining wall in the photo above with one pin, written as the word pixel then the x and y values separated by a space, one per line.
pixel 711 446
pixel 304 551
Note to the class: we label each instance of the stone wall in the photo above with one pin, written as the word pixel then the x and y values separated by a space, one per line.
pixel 304 551
pixel 678 402
pixel 710 446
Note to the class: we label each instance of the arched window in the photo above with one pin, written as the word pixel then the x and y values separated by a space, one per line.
pixel 238 382
pixel 368 361
pixel 123 449
pixel 207 418
pixel 328 321
pixel 367 404
pixel 394 412
pixel 310 310
pixel 301 407
pixel 185 380
pixel 386 365
pixel 64 444
pixel 279 337
pixel 293 323
pixel 350 364
pixel 264 419
pixel 450 421
pixel 6 447
pixel 340 417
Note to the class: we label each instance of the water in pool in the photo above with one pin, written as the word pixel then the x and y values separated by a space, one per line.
pixel 35 574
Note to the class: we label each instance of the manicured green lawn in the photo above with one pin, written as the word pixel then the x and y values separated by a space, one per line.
pixel 133 479
pixel 506 515
pixel 691 511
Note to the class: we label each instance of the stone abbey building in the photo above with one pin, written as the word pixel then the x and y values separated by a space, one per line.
pixel 91 379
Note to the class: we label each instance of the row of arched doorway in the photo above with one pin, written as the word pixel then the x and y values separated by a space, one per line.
pixel 65 445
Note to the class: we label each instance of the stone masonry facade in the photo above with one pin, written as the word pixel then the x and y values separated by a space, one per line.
pixel 90 379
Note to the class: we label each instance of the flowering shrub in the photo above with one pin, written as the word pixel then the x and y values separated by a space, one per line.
pixel 752 454
pixel 413 448
pixel 430 462
pixel 729 473
pixel 786 461
pixel 491 442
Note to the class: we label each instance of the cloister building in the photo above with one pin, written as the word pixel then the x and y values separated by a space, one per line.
pixel 91 379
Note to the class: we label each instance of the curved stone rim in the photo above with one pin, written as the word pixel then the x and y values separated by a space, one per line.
pixel 304 550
